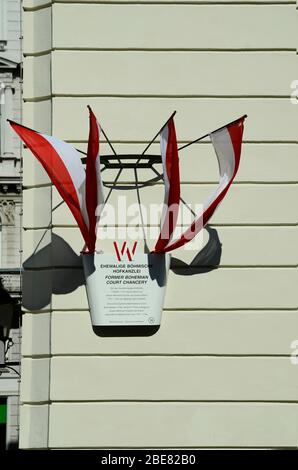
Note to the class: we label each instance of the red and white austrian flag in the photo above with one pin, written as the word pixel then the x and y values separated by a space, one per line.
pixel 170 164
pixel 227 143
pixel 63 164
pixel 94 184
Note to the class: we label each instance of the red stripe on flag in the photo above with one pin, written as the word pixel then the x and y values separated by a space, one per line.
pixel 236 134
pixel 55 168
pixel 91 178
pixel 173 176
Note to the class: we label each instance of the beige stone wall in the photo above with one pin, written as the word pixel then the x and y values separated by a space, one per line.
pixel 218 372
pixel 9 144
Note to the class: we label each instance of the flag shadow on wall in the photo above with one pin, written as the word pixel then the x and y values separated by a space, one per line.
pixel 57 269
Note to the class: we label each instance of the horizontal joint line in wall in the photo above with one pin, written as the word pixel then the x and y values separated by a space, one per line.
pixel 183 183
pixel 250 266
pixel 168 49
pixel 202 183
pixel 163 96
pixel 36 312
pixel 38 99
pixel 177 2
pixel 200 310
pixel 232 309
pixel 36 356
pixel 243 266
pixel 194 309
pixel 38 186
pixel 37 54
pixel 45 227
pixel 145 401
pixel 137 355
pixel 39 7
pixel 43 402
pixel 208 142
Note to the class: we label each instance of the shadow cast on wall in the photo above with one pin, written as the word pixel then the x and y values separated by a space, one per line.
pixel 205 260
pixel 54 269
pixel 57 269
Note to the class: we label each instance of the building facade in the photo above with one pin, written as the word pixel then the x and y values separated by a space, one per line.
pixel 218 373
pixel 10 215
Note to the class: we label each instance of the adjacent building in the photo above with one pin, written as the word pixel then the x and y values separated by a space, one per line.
pixel 10 217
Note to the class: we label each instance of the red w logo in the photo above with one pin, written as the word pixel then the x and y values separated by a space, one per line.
pixel 128 252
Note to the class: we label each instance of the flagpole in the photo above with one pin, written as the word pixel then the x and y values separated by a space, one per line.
pixel 181 199
pixel 110 144
pixel 156 135
pixel 81 151
pixel 206 135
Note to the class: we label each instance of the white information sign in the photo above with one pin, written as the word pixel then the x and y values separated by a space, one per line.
pixel 126 292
